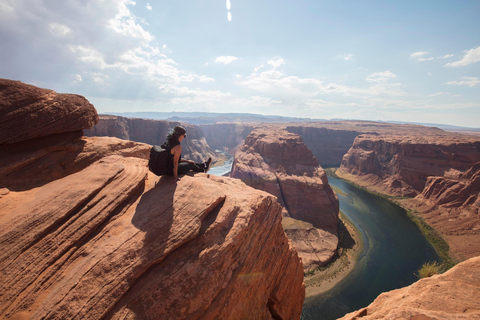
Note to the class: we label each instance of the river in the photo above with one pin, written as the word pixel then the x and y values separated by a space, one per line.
pixel 393 250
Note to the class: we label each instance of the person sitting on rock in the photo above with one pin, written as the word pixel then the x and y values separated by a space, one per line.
pixel 176 165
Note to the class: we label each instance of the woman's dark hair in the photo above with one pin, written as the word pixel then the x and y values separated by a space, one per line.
pixel 173 135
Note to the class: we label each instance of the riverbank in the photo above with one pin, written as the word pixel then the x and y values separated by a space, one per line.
pixel 325 278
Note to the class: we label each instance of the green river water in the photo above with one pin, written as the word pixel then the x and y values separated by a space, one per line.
pixel 394 249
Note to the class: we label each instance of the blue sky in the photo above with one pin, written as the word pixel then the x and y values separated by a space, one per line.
pixel 415 61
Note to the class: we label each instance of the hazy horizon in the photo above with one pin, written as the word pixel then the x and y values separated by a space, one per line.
pixel 406 61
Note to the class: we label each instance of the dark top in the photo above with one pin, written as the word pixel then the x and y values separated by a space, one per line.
pixel 170 157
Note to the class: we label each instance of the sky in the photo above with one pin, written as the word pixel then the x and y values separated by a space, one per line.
pixel 414 61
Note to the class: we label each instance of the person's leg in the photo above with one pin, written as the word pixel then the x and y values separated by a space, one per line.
pixel 184 167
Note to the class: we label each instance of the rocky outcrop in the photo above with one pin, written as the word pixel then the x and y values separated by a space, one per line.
pixel 452 206
pixel 452 295
pixel 88 232
pixel 278 162
pixel 153 132
pixel 40 111
pixel 400 164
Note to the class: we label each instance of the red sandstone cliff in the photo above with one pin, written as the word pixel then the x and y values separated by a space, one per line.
pixel 278 162
pixel 87 232
pixel 328 145
pixel 401 164
pixel 153 132
pixel 452 206
pixel 452 295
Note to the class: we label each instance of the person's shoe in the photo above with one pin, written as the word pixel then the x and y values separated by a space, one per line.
pixel 207 165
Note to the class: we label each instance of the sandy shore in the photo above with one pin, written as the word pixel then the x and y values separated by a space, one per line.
pixel 326 278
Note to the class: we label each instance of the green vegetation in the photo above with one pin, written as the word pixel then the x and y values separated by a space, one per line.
pixel 435 238
pixel 429 269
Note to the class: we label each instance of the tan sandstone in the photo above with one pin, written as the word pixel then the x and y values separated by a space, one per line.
pixel 449 296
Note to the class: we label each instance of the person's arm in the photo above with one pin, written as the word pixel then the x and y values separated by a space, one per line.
pixel 177 151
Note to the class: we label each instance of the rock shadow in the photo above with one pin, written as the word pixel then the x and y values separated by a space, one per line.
pixel 154 212
pixel 33 163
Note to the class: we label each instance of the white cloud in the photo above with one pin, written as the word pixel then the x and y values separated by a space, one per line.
pixel 149 7
pixel 276 62
pixel 228 4
pixel 346 57
pixel 125 23
pixel 420 56
pixel 446 56
pixel 59 29
pixel 438 94
pixel 381 77
pixel 225 59
pixel 471 56
pixel 229 16
pixel 205 79
pixel 471 82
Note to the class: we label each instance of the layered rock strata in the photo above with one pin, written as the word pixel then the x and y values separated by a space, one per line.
pixel 153 132
pixel 452 206
pixel 278 162
pixel 400 164
pixel 40 111
pixel 452 295
pixel 328 145
pixel 87 232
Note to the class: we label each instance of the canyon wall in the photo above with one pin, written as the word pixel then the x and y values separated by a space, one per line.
pixel 276 161
pixel 226 136
pixel 452 295
pixel 327 145
pixel 401 164
pixel 88 232
pixel 452 206
pixel 153 132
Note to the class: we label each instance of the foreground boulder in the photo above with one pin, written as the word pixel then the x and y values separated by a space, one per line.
pixel 88 232
pixel 276 161
pixel 27 112
pixel 452 295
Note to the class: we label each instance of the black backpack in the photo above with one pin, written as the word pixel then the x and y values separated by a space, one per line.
pixel 158 160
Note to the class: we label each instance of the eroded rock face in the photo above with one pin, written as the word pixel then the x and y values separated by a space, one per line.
pixel 88 232
pixel 226 136
pixel 28 112
pixel 328 145
pixel 153 132
pixel 452 206
pixel 401 164
pixel 452 295
pixel 276 161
